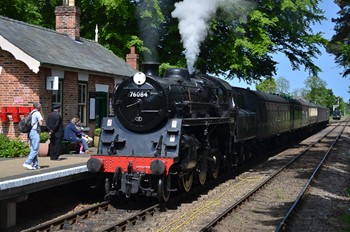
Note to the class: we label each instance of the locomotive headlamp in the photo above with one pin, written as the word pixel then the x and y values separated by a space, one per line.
pixel 139 78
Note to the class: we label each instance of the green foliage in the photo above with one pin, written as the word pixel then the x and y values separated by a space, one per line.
pixel 44 137
pixel 150 18
pixel 244 48
pixel 282 86
pixel 97 132
pixel 138 43
pixel 317 92
pixel 116 23
pixel 165 66
pixel 38 12
pixel 12 148
pixel 267 86
pixel 240 43
pixel 339 44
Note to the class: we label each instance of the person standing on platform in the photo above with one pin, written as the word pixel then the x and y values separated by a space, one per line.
pixel 54 124
pixel 34 138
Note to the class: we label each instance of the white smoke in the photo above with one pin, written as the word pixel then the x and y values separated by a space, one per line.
pixel 194 18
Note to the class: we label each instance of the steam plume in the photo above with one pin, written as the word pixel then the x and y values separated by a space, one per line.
pixel 194 18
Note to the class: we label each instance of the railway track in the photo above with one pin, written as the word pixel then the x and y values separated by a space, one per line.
pixel 193 214
pixel 262 199
pixel 99 217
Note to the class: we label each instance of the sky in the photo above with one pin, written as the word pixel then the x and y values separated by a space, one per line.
pixel 330 73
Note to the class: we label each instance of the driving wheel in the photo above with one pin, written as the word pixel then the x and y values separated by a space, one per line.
pixel 202 177
pixel 163 187
pixel 187 180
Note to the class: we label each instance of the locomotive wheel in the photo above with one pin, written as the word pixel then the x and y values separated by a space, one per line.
pixel 186 180
pixel 202 177
pixel 107 186
pixel 163 186
pixel 214 160
pixel 214 167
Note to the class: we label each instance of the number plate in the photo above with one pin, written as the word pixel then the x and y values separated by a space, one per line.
pixel 138 94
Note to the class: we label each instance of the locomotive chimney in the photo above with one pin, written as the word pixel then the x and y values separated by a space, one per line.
pixel 151 68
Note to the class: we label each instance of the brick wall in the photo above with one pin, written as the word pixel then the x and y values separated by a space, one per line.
pixel 19 86
pixel 103 80
pixel 70 96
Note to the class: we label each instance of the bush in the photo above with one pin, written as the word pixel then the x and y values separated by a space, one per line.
pixel 44 136
pixel 12 148
pixel 97 132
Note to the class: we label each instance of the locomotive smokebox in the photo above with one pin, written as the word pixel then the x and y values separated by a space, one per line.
pixel 151 68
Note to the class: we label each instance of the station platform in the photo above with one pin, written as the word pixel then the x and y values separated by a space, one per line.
pixel 16 182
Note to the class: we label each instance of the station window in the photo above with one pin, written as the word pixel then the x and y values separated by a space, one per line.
pixel 82 103
pixel 57 94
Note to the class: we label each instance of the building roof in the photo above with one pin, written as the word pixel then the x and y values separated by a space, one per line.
pixel 37 46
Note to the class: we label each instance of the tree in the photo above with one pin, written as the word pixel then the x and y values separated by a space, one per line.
pixel 331 99
pixel 150 20
pixel 243 48
pixel 316 90
pixel 340 44
pixel 37 12
pixel 298 93
pixel 241 38
pixel 282 86
pixel 116 22
pixel 267 86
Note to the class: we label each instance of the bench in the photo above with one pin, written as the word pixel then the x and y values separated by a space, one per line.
pixel 69 147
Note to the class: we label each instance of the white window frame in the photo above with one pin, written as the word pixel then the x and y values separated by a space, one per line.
pixel 58 94
pixel 82 102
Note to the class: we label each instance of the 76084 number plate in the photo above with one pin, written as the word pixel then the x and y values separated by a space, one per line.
pixel 138 94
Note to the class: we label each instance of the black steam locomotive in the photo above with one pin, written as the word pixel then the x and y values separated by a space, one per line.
pixel 170 132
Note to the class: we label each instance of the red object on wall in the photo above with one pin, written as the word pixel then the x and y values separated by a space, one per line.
pixel 13 110
pixel 3 117
pixel 25 110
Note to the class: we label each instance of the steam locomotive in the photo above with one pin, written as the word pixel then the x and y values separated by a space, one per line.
pixel 171 132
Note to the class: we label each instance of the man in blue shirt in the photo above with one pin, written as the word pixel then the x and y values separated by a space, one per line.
pixel 71 133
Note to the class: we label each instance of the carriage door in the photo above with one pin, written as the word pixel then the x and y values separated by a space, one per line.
pixel 100 108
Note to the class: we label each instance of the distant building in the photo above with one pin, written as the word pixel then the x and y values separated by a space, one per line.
pixel 56 67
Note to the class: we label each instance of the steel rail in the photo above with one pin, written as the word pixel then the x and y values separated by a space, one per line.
pixel 71 218
pixel 282 225
pixel 141 216
pixel 210 225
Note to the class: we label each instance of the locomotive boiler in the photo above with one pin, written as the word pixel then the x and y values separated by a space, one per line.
pixel 173 131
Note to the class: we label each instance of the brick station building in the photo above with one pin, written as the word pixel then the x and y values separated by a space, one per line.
pixel 56 67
